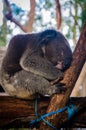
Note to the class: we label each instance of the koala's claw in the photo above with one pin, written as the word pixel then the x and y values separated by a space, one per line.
pixel 60 88
pixel 55 89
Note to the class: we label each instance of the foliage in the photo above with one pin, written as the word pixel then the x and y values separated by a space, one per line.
pixel 2 36
pixel 73 17
pixel 16 9
pixel 75 11
pixel 18 12
pixel 44 15
pixel 83 7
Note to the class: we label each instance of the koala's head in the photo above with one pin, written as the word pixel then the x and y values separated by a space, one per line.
pixel 59 54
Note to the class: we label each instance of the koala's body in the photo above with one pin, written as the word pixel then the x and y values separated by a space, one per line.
pixel 32 61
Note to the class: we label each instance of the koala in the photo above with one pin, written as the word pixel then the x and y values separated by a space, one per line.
pixel 32 61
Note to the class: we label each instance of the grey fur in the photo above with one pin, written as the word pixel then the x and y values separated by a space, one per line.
pixel 27 69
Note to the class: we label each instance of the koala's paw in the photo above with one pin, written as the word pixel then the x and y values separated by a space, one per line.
pixel 56 89
pixel 61 88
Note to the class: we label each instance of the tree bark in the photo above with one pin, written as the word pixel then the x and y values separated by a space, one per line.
pixel 18 113
pixel 58 14
pixel 70 77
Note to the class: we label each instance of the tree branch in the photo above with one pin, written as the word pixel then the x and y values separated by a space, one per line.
pixel 58 14
pixel 17 113
pixel 31 16
pixel 70 77
pixel 28 27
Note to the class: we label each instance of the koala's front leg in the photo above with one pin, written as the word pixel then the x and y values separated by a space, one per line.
pixel 39 65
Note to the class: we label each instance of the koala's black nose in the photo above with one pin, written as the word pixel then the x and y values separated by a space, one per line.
pixel 59 65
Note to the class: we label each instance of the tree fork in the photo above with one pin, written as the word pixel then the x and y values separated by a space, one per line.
pixel 70 77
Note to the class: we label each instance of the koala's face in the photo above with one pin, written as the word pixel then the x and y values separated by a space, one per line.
pixel 60 56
